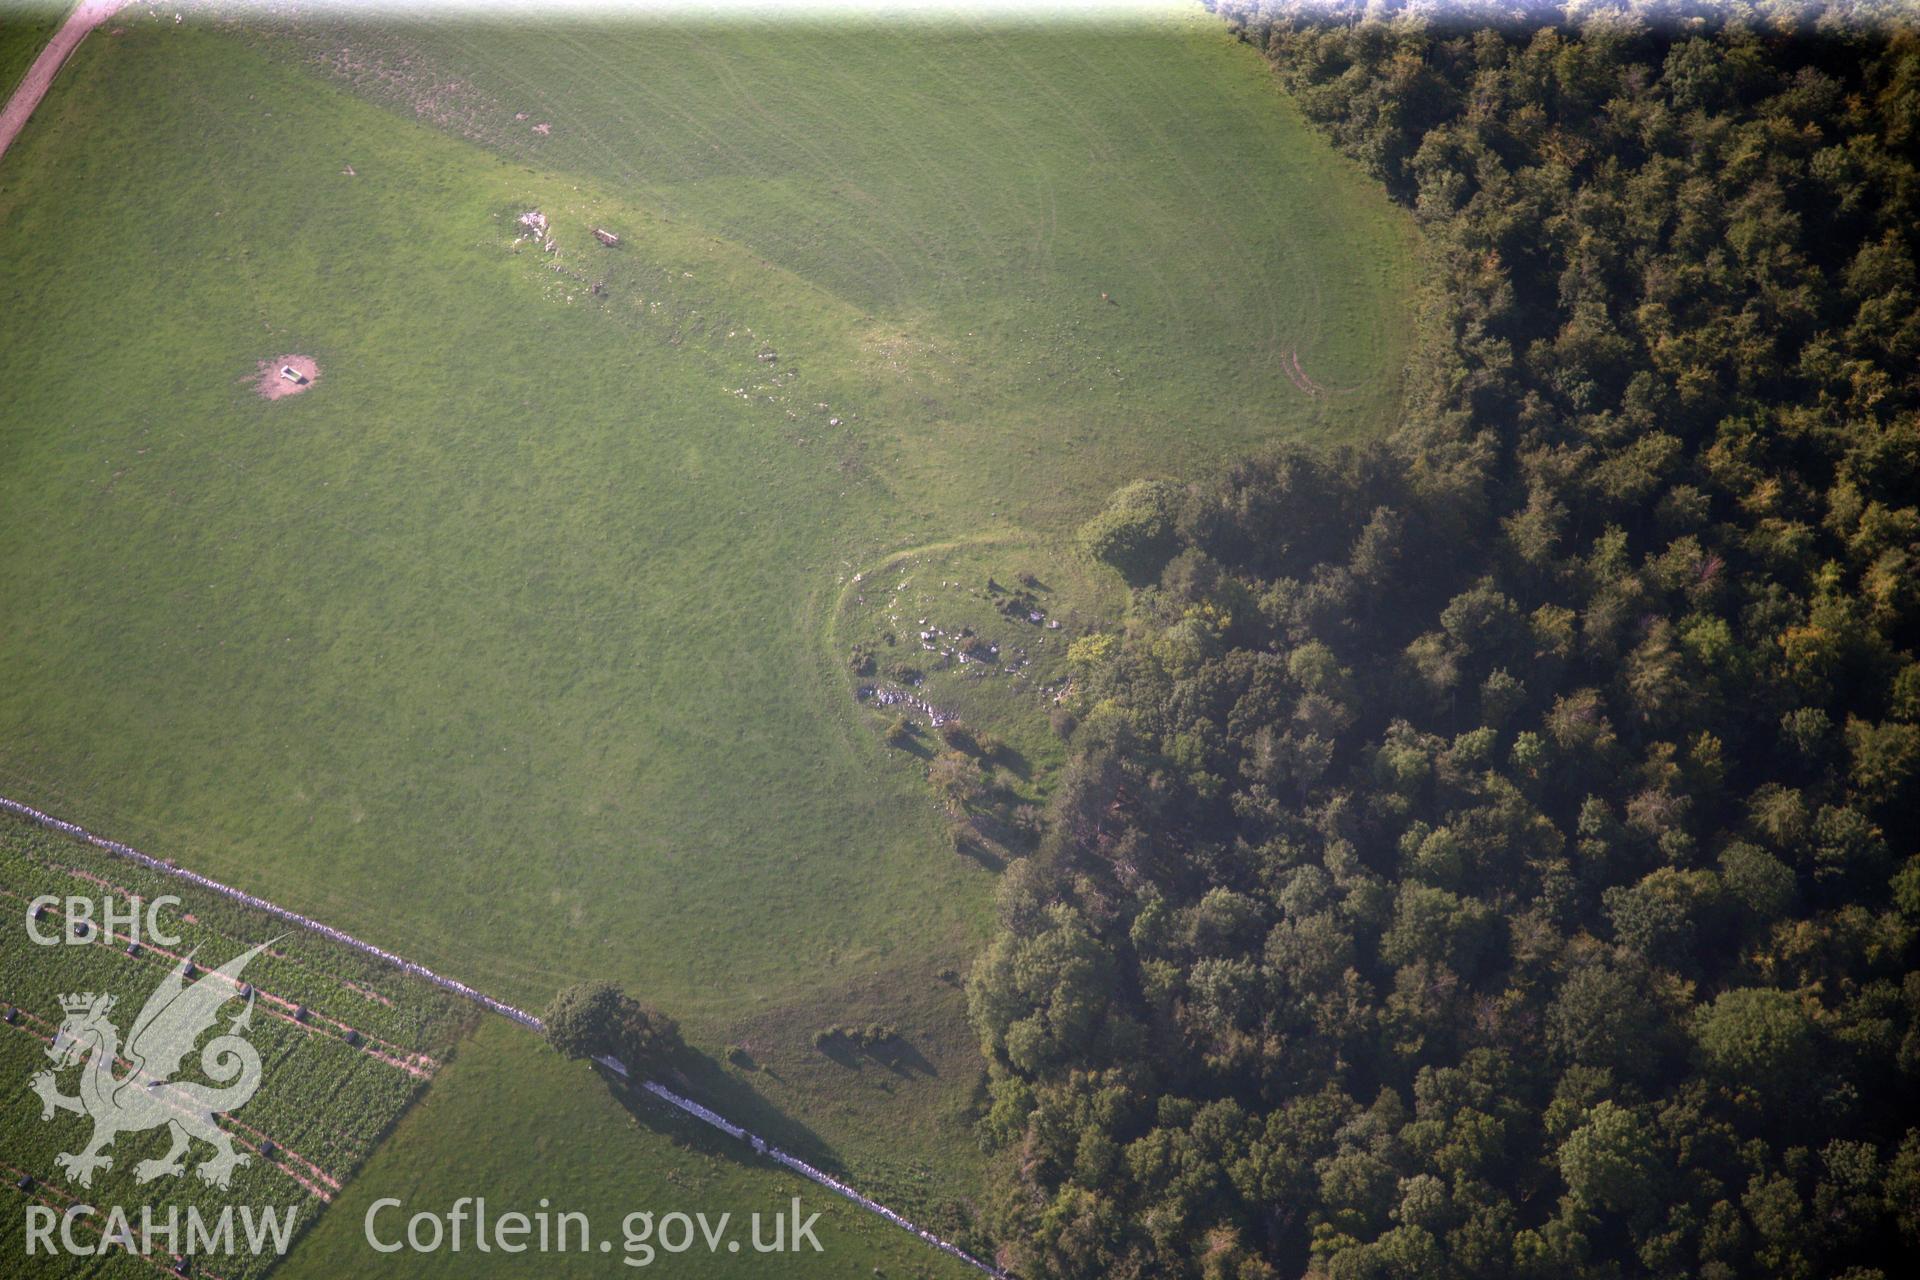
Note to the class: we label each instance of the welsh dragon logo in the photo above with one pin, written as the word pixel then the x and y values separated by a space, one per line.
pixel 176 1015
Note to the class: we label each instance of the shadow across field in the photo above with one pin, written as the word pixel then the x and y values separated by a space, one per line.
pixel 895 1053
pixel 970 844
pixel 707 1081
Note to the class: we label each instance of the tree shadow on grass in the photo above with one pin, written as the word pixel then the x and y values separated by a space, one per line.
pixel 969 844
pixel 705 1080
pixel 895 1053
pixel 900 1057
pixel 1012 761
pixel 916 746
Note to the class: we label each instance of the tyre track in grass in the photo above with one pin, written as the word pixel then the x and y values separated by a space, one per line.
pixel 33 86
pixel 689 1106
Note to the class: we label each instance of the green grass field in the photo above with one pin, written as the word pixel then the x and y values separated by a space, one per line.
pixel 514 643
pixel 22 35
pixel 972 190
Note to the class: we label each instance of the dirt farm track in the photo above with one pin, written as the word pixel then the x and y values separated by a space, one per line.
pixel 39 78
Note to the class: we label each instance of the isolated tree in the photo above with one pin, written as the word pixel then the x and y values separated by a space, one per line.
pixel 595 1019
pixel 583 1021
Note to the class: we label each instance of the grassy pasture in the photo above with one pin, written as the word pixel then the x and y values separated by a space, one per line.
pixel 23 33
pixel 511 643
pixel 972 189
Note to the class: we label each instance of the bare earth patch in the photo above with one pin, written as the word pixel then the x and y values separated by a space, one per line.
pixel 273 384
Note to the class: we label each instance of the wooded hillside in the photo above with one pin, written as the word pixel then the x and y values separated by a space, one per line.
pixel 1493 853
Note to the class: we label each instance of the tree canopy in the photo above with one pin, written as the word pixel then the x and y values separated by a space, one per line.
pixel 1492 852
pixel 598 1019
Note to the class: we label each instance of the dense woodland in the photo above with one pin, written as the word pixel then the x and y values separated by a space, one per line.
pixel 1492 852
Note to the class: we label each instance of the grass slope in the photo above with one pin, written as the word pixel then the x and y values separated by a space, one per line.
pixel 22 39
pixel 507 645
pixel 23 33
pixel 973 188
